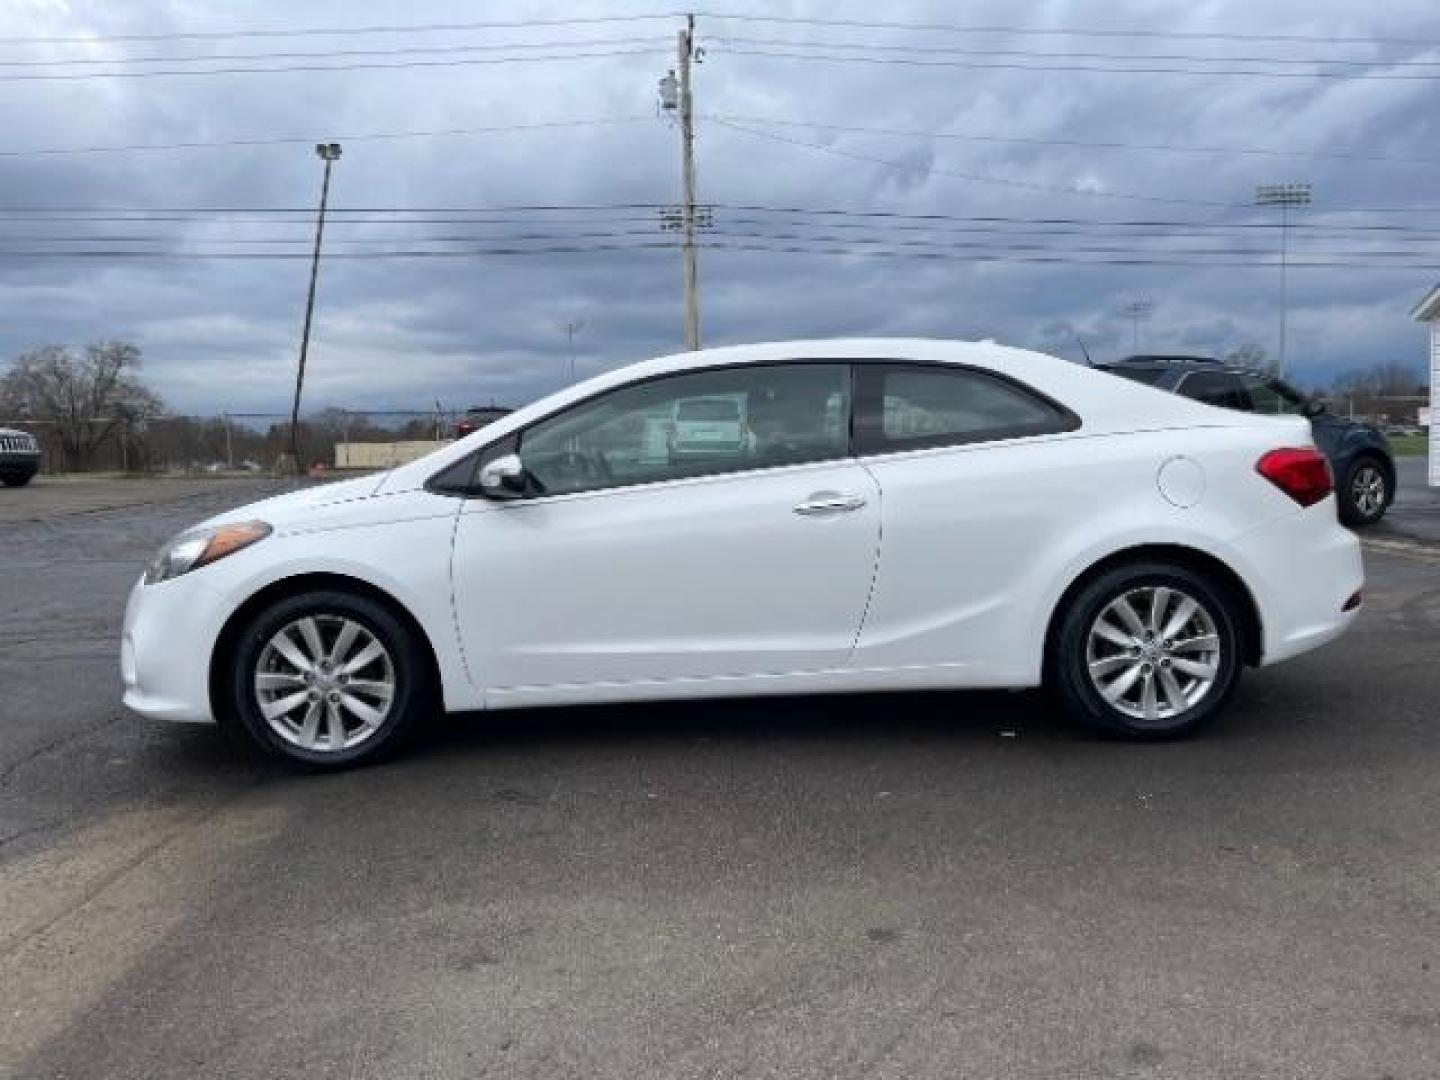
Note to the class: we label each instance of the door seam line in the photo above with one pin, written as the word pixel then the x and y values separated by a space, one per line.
pixel 875 569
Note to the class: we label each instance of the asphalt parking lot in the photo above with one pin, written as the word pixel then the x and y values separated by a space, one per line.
pixel 881 886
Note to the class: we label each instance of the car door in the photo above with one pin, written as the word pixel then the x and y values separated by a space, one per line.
pixel 627 563
pixel 975 477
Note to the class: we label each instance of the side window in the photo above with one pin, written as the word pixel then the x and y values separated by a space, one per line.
pixel 910 407
pixel 694 424
pixel 1273 396
pixel 1215 388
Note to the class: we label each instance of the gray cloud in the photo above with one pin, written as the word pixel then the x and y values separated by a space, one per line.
pixel 222 334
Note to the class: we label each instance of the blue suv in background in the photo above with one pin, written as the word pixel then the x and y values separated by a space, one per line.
pixel 1359 453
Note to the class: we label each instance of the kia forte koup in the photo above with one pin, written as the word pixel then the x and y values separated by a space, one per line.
pixel 888 515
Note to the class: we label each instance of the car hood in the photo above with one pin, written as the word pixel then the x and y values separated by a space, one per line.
pixel 296 506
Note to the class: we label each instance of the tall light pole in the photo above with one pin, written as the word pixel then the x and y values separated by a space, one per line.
pixel 571 329
pixel 328 153
pixel 675 96
pixel 1138 311
pixel 1283 196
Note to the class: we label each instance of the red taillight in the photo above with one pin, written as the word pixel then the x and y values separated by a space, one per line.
pixel 1302 472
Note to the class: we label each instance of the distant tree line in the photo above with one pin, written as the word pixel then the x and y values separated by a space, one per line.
pixel 91 409
pixel 1386 389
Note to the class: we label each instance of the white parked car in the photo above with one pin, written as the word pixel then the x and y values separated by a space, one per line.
pixel 904 514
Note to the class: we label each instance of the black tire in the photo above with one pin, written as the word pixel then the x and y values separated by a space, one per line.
pixel 1364 472
pixel 16 479
pixel 413 700
pixel 1068 663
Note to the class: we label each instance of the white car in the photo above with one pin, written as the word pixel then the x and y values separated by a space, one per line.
pixel 906 514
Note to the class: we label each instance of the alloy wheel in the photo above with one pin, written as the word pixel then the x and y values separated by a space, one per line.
pixel 324 683
pixel 1367 490
pixel 1153 653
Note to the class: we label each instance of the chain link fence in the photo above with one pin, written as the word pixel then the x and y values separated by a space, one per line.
pixel 348 439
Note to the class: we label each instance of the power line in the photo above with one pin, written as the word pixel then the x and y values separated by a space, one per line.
pixel 291 140
pixel 727 40
pixel 1103 69
pixel 602 121
pixel 468 61
pixel 1128 57
pixel 330 54
pixel 400 214
pixel 1130 232
pixel 1057 31
pixel 719 16
pixel 336 31
pixel 356 217
pixel 1228 259
pixel 499 209
pixel 1063 259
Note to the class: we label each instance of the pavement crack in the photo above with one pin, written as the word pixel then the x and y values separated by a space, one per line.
pixel 56 744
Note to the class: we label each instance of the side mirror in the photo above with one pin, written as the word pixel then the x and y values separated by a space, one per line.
pixel 1313 408
pixel 503 478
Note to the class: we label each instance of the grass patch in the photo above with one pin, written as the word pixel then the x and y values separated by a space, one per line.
pixel 1409 445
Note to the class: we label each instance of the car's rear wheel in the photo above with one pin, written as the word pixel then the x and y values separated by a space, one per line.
pixel 16 479
pixel 1146 650
pixel 329 679
pixel 1365 492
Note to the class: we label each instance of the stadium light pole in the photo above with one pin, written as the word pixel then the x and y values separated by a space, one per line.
pixel 328 153
pixel 1138 311
pixel 1283 196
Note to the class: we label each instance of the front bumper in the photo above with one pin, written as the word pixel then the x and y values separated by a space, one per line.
pixel 165 646
pixel 1302 570
pixel 19 464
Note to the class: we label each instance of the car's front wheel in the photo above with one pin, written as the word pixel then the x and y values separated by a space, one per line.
pixel 16 479
pixel 328 679
pixel 1146 650
pixel 1365 492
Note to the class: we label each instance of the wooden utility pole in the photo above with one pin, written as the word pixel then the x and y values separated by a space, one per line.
pixel 687 172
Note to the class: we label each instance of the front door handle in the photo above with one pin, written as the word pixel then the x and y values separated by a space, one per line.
pixel 829 502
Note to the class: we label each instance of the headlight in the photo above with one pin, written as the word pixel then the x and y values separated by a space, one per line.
pixel 200 547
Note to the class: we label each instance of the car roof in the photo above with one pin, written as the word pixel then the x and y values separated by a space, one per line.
pixel 1105 402
pixel 1183 367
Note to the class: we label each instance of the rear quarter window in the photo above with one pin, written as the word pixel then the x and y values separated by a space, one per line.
pixel 902 406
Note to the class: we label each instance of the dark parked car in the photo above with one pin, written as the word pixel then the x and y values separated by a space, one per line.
pixel 476 418
pixel 1359 453
pixel 19 457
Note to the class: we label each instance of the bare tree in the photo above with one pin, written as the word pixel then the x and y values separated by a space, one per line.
pixel 1384 389
pixel 1251 357
pixel 87 397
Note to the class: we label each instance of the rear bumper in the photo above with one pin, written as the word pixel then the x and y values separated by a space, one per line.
pixel 1302 570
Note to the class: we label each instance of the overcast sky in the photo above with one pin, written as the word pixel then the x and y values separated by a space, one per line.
pixel 980 138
